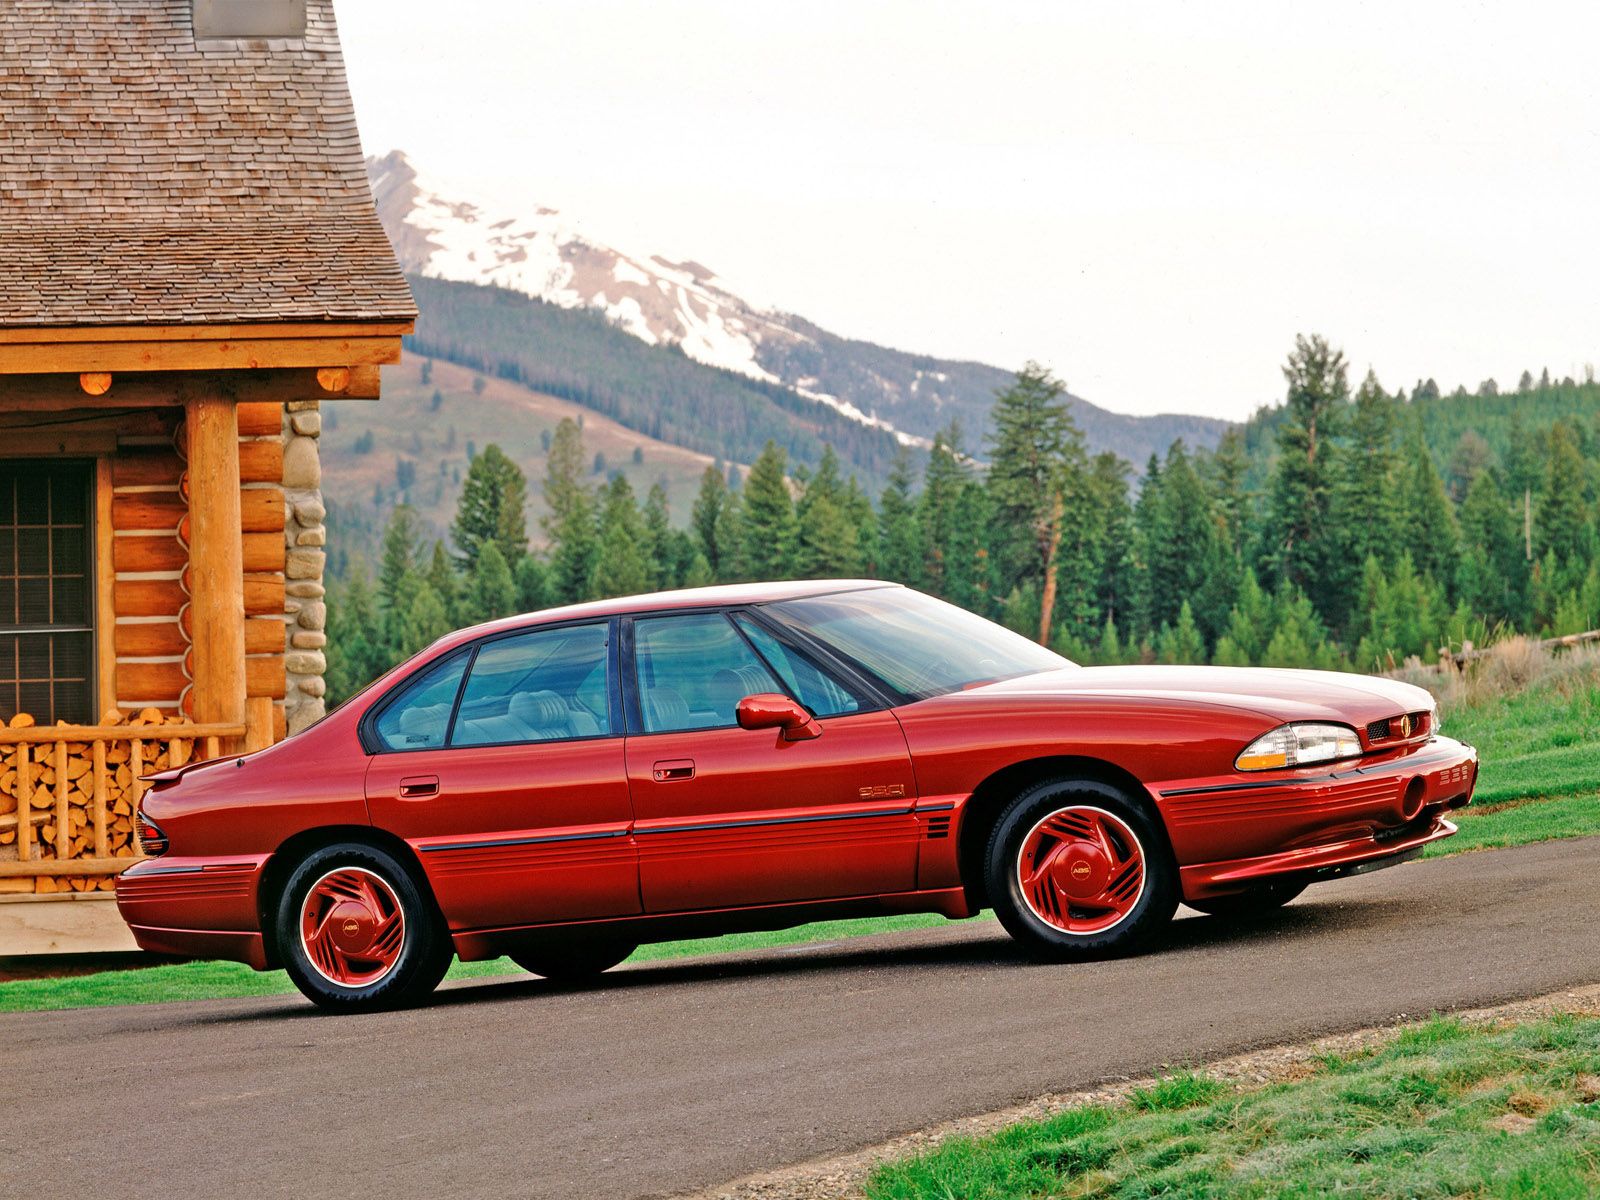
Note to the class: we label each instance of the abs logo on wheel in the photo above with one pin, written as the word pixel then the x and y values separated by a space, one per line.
pixel 351 927
pixel 1080 870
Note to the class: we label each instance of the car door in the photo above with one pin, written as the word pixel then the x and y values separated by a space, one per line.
pixel 503 768
pixel 726 816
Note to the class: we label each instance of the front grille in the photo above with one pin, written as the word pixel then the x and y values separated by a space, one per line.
pixel 1392 729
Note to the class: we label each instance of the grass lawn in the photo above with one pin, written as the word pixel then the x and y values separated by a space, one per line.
pixel 1538 741
pixel 1447 1109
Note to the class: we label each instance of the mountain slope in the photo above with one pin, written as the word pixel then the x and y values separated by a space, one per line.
pixel 537 252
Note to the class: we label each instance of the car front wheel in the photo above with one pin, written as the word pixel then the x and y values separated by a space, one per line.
pixel 356 932
pixel 1076 870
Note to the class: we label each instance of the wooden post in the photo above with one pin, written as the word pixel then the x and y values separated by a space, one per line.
pixel 257 723
pixel 105 589
pixel 216 560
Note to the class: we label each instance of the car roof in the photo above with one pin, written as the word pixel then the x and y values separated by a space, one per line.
pixel 683 598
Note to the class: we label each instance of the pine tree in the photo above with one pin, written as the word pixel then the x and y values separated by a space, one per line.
pixel 827 540
pixel 1367 509
pixel 899 532
pixel 570 523
pixel 943 480
pixel 969 574
pixel 493 507
pixel 356 652
pixel 658 546
pixel 1181 643
pixel 863 518
pixel 768 517
pixel 1250 626
pixel 1302 538
pixel 402 547
pixel 1560 522
pixel 533 584
pixel 1109 651
pixel 1493 578
pixel 1034 446
pixel 706 516
pixel 492 592
pixel 620 568
pixel 441 576
pixel 425 620
pixel 1433 535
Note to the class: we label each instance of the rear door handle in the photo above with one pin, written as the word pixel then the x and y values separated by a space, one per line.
pixel 671 770
pixel 419 787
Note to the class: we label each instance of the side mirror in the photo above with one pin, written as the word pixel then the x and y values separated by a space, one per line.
pixel 770 710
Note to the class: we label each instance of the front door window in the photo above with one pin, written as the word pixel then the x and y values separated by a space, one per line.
pixel 693 670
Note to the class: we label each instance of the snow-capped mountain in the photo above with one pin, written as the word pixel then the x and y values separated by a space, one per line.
pixel 542 253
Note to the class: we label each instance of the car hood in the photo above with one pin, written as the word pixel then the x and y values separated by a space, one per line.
pixel 1278 694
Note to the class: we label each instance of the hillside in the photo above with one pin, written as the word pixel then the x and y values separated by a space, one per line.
pixel 686 309
pixel 581 356
pixel 362 485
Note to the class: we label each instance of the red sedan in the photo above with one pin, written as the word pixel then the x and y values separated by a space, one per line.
pixel 563 786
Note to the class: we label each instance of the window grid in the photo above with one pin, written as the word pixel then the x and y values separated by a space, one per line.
pixel 46 635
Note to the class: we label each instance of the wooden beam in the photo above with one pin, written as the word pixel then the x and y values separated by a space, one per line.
pixel 54 392
pixel 216 560
pixel 17 358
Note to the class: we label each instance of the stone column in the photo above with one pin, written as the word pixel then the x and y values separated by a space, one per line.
pixel 305 611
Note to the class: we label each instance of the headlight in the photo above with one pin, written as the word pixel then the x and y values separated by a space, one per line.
pixel 1298 745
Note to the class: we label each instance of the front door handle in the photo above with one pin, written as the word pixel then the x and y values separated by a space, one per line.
pixel 419 787
pixel 672 770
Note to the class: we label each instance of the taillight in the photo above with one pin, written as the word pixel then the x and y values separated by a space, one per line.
pixel 152 838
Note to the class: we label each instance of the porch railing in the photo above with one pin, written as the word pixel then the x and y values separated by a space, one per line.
pixel 68 794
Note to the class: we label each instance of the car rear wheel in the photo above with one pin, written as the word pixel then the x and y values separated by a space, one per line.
pixel 569 959
pixel 1076 870
pixel 356 932
pixel 1263 898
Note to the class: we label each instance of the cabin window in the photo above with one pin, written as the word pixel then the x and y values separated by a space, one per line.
pixel 46 591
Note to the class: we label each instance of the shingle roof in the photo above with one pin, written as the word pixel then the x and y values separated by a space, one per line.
pixel 148 179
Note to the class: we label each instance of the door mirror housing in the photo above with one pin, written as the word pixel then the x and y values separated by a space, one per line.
pixel 772 710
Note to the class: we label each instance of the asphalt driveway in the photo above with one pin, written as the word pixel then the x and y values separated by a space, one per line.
pixel 677 1075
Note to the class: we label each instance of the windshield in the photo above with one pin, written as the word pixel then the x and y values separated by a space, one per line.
pixel 919 646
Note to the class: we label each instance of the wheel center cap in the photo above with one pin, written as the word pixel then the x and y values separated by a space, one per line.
pixel 1083 871
pixel 351 926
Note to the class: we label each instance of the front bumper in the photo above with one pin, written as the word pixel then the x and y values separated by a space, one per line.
pixel 196 907
pixel 1231 832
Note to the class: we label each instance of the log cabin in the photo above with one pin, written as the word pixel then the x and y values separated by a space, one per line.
pixel 190 266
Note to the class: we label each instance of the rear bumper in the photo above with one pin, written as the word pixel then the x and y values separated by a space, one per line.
pixel 1230 833
pixel 196 907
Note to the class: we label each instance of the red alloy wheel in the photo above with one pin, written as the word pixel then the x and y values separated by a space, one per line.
pixel 1081 870
pixel 352 927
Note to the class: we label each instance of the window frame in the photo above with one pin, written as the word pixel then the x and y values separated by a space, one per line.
pixel 373 745
pixel 870 694
pixel 92 569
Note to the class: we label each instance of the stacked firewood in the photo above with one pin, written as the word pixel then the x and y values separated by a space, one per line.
pixel 122 792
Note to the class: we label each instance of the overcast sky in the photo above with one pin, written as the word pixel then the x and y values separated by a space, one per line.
pixel 1151 198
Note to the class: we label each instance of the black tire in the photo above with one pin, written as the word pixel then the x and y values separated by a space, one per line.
pixel 572 958
pixel 1146 910
pixel 397 976
pixel 1260 899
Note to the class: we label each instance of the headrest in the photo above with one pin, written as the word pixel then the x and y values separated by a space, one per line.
pixel 540 710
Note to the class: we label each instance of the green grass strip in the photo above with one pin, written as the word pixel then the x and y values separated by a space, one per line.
pixel 1445 1110
pixel 225 980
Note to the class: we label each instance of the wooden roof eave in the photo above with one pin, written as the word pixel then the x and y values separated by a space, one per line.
pixel 45 350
